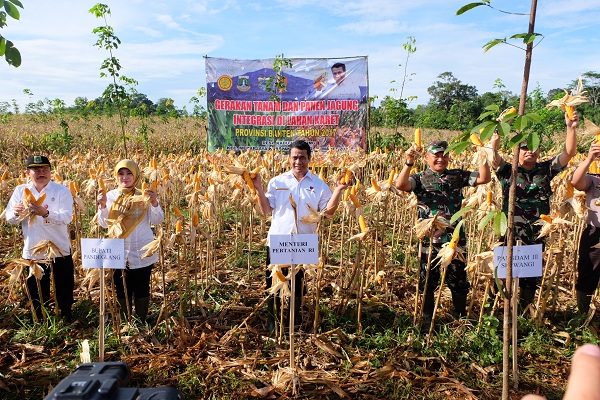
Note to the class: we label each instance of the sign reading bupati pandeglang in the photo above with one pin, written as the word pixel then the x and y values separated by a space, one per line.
pixel 323 101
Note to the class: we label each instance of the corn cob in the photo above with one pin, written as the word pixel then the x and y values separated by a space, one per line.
pixel 375 184
pixel 254 172
pixel 362 223
pixel 475 140
pixel 391 177
pixel 570 110
pixel 178 226
pixel 347 178
pixel 249 182
pixel 546 218
pixel 354 200
pixel 72 189
pixel 280 275
pixel 102 185
pixel 418 140
pixel 177 212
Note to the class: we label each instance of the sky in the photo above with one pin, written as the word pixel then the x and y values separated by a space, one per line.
pixel 164 43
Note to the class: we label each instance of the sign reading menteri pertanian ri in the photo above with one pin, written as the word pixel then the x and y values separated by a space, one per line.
pixel 103 253
pixel 527 261
pixel 294 249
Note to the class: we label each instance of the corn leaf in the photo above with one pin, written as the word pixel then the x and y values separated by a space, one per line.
pixel 515 140
pixel 456 232
pixel 533 141
pixel 487 132
pixel 500 224
pixel 493 43
pixel 458 147
pixel 460 213
pixel 503 128
pixel 470 6
pixel 484 125
pixel 484 221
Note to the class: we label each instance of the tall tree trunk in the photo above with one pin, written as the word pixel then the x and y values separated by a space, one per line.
pixel 506 339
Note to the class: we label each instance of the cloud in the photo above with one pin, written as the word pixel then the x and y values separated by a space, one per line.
pixel 374 28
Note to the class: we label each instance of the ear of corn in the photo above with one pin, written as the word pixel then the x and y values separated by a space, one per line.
pixel 475 140
pixel 144 186
pixel 195 220
pixel 178 226
pixel 391 177
pixel 347 178
pixel 362 223
pixel 254 172
pixel 249 182
pixel 177 212
pixel 488 198
pixel 546 218
pixel 570 110
pixel 72 189
pixel 102 185
pixel 375 184
pixel 346 195
pixel 280 275
pixel 354 200
pixel 154 163
pixel 598 138
pixel 418 140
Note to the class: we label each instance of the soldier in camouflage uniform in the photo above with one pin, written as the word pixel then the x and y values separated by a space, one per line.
pixel 532 197
pixel 439 191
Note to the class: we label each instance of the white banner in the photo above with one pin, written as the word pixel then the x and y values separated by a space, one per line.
pixel 103 253
pixel 527 261
pixel 294 249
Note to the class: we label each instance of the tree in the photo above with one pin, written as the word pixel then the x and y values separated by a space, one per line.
pixel 7 49
pixel 449 90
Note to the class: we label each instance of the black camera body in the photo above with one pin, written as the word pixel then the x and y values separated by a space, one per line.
pixel 105 381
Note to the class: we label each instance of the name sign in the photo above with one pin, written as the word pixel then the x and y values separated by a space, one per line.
pixel 294 249
pixel 103 253
pixel 527 261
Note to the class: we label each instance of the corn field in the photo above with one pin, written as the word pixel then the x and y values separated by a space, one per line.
pixel 360 335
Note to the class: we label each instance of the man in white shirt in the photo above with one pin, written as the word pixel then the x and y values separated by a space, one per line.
pixel 305 188
pixel 48 220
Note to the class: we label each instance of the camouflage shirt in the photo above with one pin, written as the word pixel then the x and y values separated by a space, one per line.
pixel 441 194
pixel 532 197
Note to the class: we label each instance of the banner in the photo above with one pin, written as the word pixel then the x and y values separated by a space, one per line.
pixel 323 101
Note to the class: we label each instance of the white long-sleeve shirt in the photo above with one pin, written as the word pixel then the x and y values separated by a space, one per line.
pixel 140 236
pixel 59 203
pixel 309 191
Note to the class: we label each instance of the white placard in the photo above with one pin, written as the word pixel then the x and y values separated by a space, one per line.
pixel 294 249
pixel 103 253
pixel 527 261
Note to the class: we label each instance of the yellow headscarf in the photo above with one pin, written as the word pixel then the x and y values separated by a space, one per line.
pixel 130 207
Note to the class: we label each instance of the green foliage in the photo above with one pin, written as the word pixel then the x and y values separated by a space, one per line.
pixel 277 83
pixel 7 48
pixel 117 92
